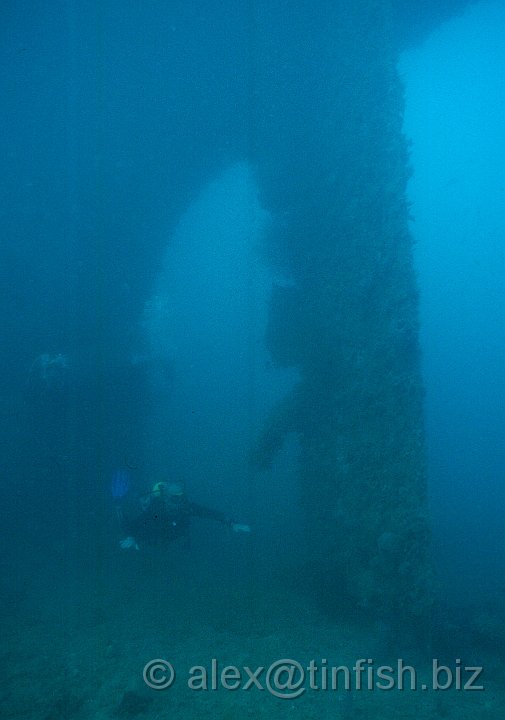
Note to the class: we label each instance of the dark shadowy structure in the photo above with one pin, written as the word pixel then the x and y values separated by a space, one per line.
pixel 334 170
pixel 136 98
pixel 415 19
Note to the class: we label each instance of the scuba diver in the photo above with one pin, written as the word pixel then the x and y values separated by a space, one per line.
pixel 165 516
pixel 49 375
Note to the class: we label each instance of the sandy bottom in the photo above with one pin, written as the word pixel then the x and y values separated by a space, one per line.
pixel 78 636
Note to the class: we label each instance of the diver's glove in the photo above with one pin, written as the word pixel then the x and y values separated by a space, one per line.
pixel 129 542
pixel 238 527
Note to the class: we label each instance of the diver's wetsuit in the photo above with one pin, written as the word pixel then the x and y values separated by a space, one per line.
pixel 163 522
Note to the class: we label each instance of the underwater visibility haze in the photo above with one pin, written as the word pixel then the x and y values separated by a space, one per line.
pixel 253 347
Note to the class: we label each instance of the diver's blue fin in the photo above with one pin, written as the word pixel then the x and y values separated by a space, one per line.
pixel 120 484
